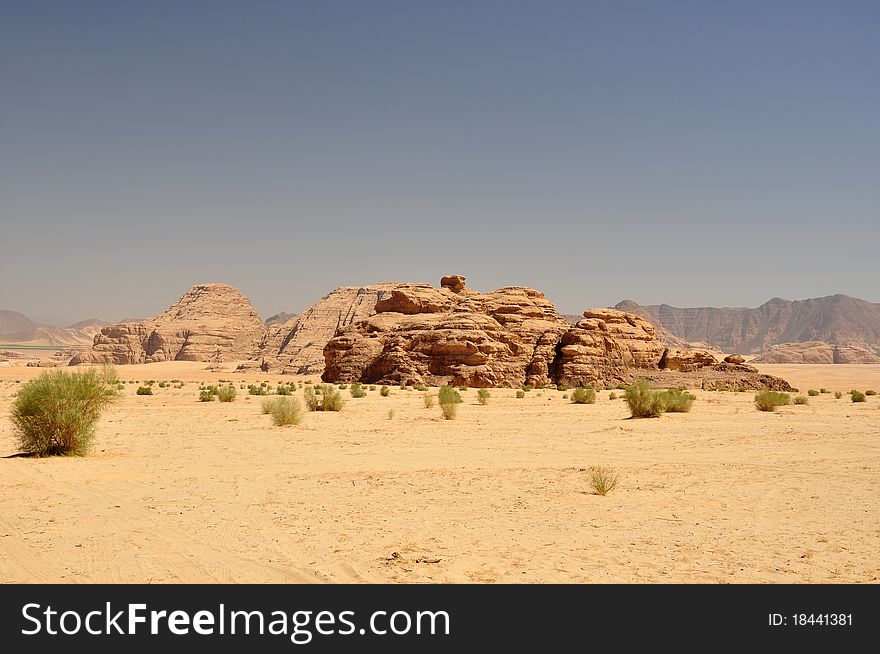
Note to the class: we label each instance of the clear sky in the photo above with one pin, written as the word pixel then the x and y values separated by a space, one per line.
pixel 693 153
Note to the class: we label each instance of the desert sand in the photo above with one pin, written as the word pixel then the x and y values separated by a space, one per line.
pixel 181 491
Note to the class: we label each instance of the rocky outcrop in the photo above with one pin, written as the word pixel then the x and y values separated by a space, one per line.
pixel 211 322
pixel 279 319
pixel 297 346
pixel 734 358
pixel 835 320
pixel 509 337
pixel 817 352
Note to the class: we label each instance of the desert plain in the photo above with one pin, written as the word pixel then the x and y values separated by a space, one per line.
pixel 177 490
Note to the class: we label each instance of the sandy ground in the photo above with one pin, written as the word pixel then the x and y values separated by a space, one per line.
pixel 182 491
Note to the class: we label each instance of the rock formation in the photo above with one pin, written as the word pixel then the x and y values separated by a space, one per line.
pixel 509 337
pixel 817 352
pixel 211 322
pixel 837 321
pixel 297 346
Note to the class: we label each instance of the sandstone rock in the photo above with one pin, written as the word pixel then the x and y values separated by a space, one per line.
pixel 513 336
pixel 686 360
pixel 454 283
pixel 734 358
pixel 297 346
pixel 210 322
pixel 817 352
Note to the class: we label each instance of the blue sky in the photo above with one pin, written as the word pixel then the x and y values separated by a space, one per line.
pixel 693 153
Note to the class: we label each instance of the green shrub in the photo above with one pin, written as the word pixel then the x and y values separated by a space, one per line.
pixel 428 399
pixel 206 396
pixel 823 390
pixel 449 401
pixel 285 411
pixel 463 387
pixel 421 387
pixel 603 479
pixel 837 395
pixel 769 400
pixel 612 396
pixel 583 395
pixel 357 390
pixel 331 399
pixel 527 387
pixel 643 401
pixel 226 393
pixel 372 388
pixel 800 400
pixel 677 400
pixel 483 396
pixel 384 391
pixel 144 390
pixel 520 395
pixel 311 399
pixel 870 392
pixel 858 396
pixel 56 413
pixel 266 405
pixel 162 384
pixel 561 387
pixel 283 390
pixel 812 392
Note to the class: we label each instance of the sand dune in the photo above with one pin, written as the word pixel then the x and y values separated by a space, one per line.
pixel 182 491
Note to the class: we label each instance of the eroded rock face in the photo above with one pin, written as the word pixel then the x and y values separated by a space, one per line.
pixel 513 336
pixel 297 346
pixel 210 322
pixel 817 352
pixel 422 334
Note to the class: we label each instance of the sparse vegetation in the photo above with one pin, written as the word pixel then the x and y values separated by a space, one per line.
pixel 527 387
pixel 206 396
pixel 823 390
pixel 870 392
pixel 677 400
pixel 583 395
pixel 812 392
pixel 266 405
pixel 384 391
pixel 612 395
pixel 449 401
pixel 428 399
pixel 357 390
pixel 800 400
pixel 144 390
pixel 483 396
pixel 858 396
pixel 226 393
pixel 391 414
pixel 643 401
pixel 331 399
pixel 837 395
pixel 285 411
pixel 56 413
pixel 769 400
pixel 520 395
pixel 311 398
pixel 603 479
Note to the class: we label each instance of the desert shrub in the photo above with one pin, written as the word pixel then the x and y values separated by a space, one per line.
pixel 769 400
pixel 428 399
pixel 357 390
pixel 226 393
pixel 800 400
pixel 527 387
pixel 561 387
pixel 206 396
pixel 372 388
pixel 342 387
pixel 144 390
pixel 285 411
pixel 420 387
pixel 311 399
pixel 391 414
pixel 331 399
pixel 120 387
pixel 483 396
pixel 812 392
pixel 403 386
pixel 583 396
pixel 520 395
pixel 870 392
pixel 837 395
pixel 858 396
pixel 612 396
pixel 677 400
pixel 565 396
pixel 603 479
pixel 266 405
pixel 56 413
pixel 463 387
pixel 162 384
pixel 449 401
pixel 384 391
pixel 643 401
pixel 283 390
pixel 823 390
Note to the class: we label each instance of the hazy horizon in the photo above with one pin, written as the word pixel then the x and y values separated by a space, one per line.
pixel 687 153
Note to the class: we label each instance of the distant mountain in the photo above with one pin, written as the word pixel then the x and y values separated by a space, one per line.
pixel 840 321
pixel 16 328
pixel 279 318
